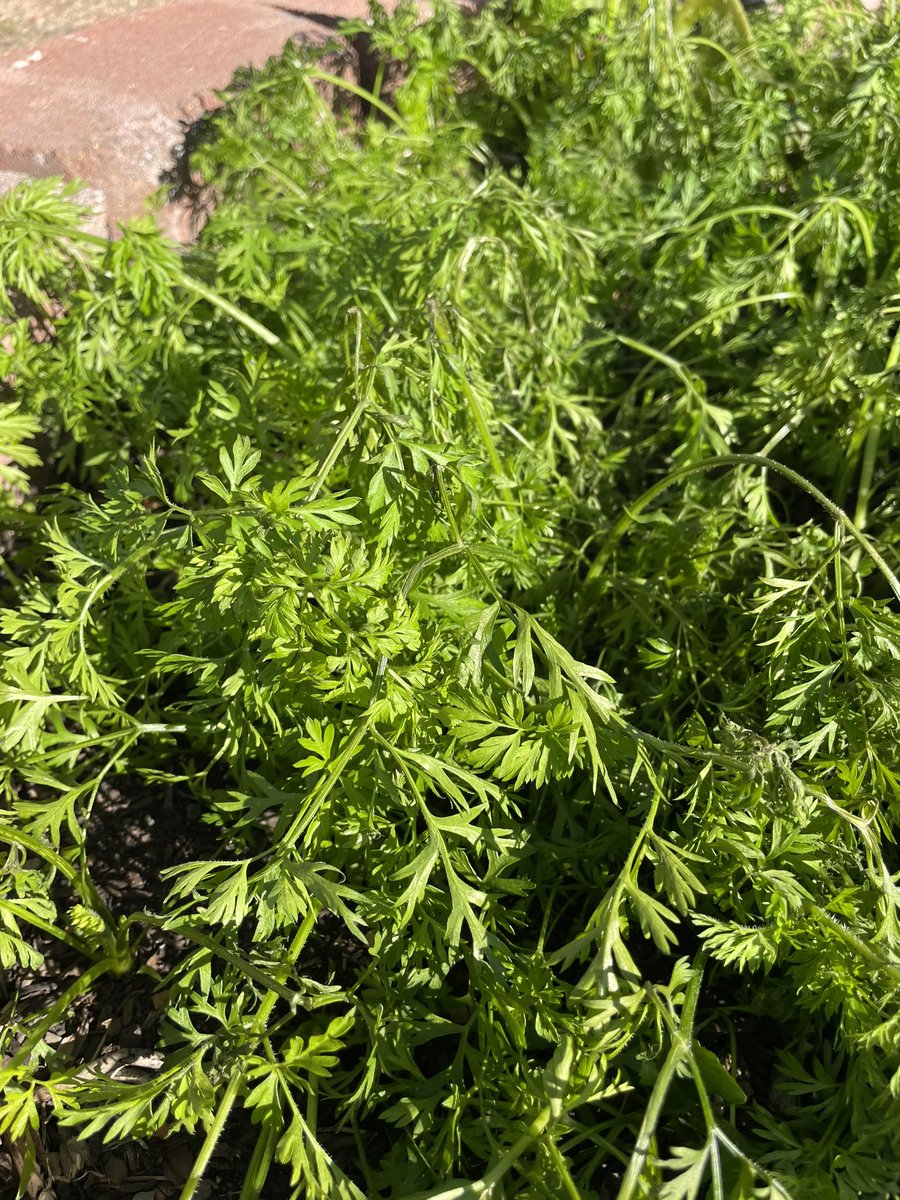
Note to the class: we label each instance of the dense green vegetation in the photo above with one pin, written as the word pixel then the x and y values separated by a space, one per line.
pixel 492 524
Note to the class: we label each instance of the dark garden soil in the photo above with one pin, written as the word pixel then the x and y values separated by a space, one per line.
pixel 113 1029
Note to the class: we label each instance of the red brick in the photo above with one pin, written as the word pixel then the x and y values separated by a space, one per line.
pixel 107 104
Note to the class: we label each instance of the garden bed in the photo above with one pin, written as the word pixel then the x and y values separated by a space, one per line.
pixel 450 685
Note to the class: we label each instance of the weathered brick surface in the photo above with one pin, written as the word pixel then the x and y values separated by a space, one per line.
pixel 108 104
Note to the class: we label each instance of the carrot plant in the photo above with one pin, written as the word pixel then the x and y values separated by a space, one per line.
pixel 490 527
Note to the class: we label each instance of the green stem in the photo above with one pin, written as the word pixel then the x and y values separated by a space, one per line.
pixel 483 1187
pixel 294 950
pixel 262 1155
pixel 867 466
pixel 18 837
pixel 212 1136
pixel 346 86
pixel 322 791
pixel 476 408
pixel 260 1163
pixel 679 1052
pixel 352 420
pixel 232 310
pixel 515 1152
pixel 569 1187
pixel 694 11
pixel 752 460
pixel 82 984
pixel 339 444
pixel 189 284
pixel 664 355
pixel 875 962
pixel 82 884
pixel 24 914
pixel 209 943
